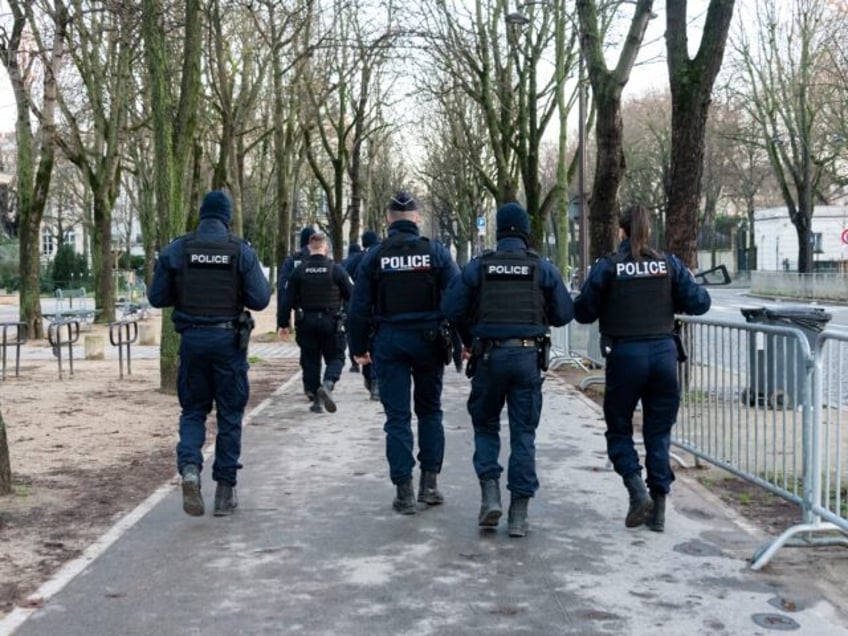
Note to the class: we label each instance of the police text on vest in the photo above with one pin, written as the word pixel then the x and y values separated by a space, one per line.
pixel 210 259
pixel 644 268
pixel 413 261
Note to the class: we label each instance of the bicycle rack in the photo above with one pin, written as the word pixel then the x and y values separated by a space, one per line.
pixel 20 337
pixel 54 337
pixel 123 333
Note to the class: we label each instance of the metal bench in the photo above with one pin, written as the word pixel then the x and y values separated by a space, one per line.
pixel 134 303
pixel 65 307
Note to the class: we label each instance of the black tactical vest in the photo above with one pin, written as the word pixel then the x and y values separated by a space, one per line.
pixel 407 281
pixel 318 290
pixel 208 283
pixel 509 289
pixel 638 302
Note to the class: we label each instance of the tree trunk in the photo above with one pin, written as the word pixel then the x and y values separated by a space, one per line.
pixel 104 282
pixel 609 170
pixel 5 463
pixel 691 82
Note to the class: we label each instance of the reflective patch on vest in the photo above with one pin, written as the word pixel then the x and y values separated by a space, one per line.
pixel 207 260
pixel 509 271
pixel 316 270
pixel 642 269
pixel 407 263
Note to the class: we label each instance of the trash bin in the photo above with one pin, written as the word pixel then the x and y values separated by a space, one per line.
pixel 775 367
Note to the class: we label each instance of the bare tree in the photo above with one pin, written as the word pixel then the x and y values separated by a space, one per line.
pixel 24 58
pixel 691 80
pixel 343 87
pixel 494 57
pixel 607 86
pixel 786 65
pixel 174 107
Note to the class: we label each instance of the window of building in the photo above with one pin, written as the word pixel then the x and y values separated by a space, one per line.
pixel 47 244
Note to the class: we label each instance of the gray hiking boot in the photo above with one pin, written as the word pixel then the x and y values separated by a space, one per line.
pixel 325 392
pixel 192 499
pixel 404 502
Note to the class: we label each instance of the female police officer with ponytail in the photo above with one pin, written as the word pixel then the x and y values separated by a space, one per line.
pixel 634 294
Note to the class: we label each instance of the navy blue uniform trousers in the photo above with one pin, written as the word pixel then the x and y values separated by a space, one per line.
pixel 645 370
pixel 510 375
pixel 318 338
pixel 212 370
pixel 403 357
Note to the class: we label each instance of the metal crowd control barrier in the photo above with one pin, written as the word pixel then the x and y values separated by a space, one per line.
pixel 747 407
pixel 15 340
pixel 123 333
pixel 54 337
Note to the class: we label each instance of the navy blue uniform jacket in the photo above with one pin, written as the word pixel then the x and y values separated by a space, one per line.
pixel 688 296
pixel 459 300
pixel 362 318
pixel 255 290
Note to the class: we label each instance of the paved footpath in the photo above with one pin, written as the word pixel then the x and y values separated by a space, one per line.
pixel 315 548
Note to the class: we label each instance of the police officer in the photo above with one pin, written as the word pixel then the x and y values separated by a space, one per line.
pixel 369 377
pixel 209 276
pixel 634 294
pixel 396 297
pixel 502 305
pixel 318 289
pixel 292 261
pixel 350 264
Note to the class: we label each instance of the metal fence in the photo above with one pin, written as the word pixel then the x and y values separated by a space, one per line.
pixel 760 402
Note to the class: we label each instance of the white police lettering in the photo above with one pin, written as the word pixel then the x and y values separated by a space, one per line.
pixel 210 259
pixel 643 269
pixel 514 270
pixel 403 263
pixel 315 270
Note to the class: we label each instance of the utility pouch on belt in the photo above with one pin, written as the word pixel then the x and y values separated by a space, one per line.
pixel 341 321
pixel 244 325
pixel 543 349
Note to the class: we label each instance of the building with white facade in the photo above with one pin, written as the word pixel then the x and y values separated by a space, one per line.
pixel 777 240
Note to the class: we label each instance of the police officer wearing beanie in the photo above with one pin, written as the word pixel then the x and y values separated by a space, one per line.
pixel 502 304
pixel 210 276
pixel 318 289
pixel 396 298
pixel 292 261
pixel 634 294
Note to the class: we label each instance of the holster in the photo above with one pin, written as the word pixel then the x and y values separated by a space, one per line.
pixel 682 356
pixel 244 325
pixel 479 349
pixel 446 342
pixel 341 322
pixel 543 350
pixel 606 346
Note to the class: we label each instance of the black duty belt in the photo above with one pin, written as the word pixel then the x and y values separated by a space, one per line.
pixel 515 342
pixel 214 325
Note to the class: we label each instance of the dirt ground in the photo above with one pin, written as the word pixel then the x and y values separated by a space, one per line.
pixel 87 449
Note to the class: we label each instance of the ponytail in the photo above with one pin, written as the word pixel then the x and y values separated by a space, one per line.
pixel 634 222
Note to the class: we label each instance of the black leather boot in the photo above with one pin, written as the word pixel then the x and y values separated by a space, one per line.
pixel 325 392
pixel 317 405
pixel 404 502
pixel 518 515
pixel 428 491
pixel 490 503
pixel 656 521
pixel 640 502
pixel 375 390
pixel 226 500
